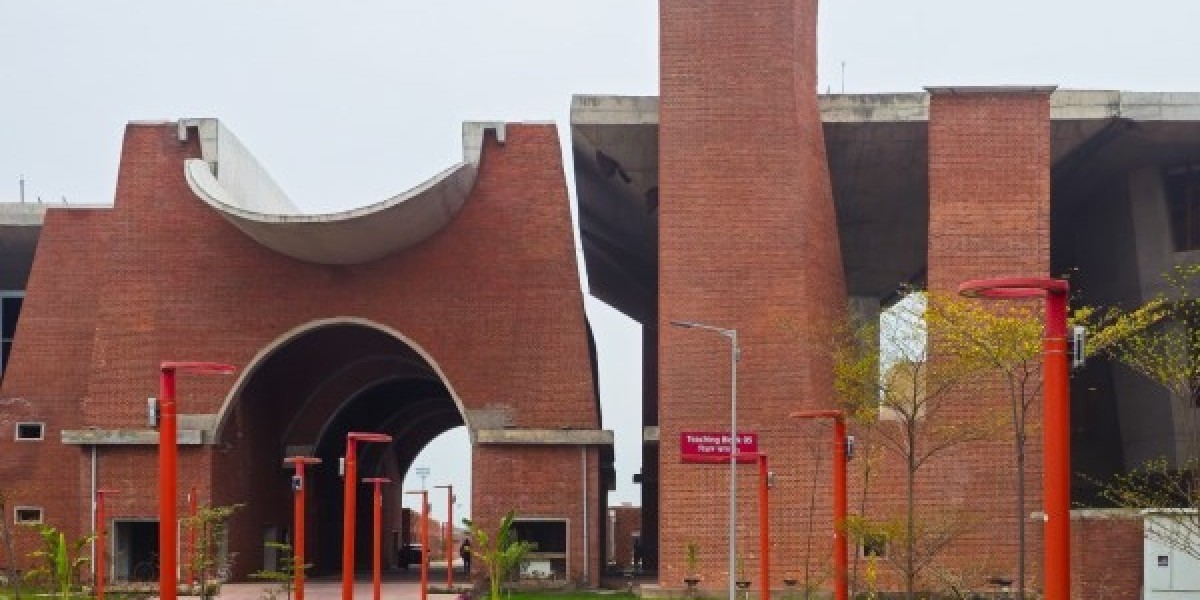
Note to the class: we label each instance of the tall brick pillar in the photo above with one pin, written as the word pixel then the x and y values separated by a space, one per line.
pixel 747 240
pixel 989 216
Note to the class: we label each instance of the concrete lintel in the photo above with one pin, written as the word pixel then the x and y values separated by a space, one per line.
pixel 614 110
pixel 874 108
pixel 650 433
pixel 991 90
pixel 559 437
pixel 128 437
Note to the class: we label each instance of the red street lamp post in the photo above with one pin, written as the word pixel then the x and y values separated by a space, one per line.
pixel 1056 418
pixel 424 542
pixel 349 498
pixel 298 492
pixel 101 528
pixel 764 515
pixel 377 534
pixel 841 580
pixel 449 535
pixel 168 544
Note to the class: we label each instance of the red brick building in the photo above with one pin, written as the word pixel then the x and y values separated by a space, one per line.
pixel 739 199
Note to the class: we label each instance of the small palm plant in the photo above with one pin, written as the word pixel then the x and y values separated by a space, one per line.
pixel 499 554
pixel 57 560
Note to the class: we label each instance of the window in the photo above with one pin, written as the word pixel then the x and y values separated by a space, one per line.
pixel 31 432
pixel 873 544
pixel 1182 185
pixel 10 309
pixel 27 515
pixel 548 559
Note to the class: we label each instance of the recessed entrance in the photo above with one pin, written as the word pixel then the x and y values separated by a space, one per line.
pixel 302 397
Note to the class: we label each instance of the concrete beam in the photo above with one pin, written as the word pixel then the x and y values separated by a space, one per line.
pixel 231 181
pixel 127 437
pixel 552 437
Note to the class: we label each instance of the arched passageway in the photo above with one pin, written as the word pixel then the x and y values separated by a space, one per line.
pixel 301 397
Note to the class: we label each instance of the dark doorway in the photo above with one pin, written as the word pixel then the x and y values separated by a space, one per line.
pixel 135 550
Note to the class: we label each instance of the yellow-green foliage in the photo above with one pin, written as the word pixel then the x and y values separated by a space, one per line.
pixel 1159 339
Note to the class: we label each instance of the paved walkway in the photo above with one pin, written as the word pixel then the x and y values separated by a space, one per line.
pixel 393 588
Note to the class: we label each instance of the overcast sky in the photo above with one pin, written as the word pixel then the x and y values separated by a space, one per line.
pixel 347 103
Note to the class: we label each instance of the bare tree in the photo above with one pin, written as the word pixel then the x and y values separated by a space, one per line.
pixel 910 402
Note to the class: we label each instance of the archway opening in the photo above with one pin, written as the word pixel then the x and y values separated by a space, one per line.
pixel 301 399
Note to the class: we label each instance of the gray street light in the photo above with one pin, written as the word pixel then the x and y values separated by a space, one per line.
pixel 734 352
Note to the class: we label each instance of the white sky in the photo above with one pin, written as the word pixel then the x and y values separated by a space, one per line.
pixel 349 103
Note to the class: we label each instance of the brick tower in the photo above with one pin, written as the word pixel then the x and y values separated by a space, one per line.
pixel 747 241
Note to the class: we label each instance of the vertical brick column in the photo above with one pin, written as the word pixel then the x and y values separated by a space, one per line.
pixel 989 216
pixel 748 241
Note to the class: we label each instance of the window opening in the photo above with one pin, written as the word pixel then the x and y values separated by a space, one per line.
pixel 1182 185
pixel 31 431
pixel 10 310
pixel 548 559
pixel 27 515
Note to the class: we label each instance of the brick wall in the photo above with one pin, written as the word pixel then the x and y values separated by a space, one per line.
pixel 491 298
pixel 747 240
pixel 1106 555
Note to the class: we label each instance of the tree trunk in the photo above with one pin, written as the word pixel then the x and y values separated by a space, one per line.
pixel 910 575
pixel 1020 518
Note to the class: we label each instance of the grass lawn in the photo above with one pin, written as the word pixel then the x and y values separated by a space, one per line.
pixel 578 595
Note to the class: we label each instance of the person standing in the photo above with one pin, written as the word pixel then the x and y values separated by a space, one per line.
pixel 464 551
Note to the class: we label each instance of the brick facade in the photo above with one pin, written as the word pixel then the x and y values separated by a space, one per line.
pixel 489 299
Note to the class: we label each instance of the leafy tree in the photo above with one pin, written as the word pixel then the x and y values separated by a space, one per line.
pixel 57 560
pixel 909 403
pixel 1160 340
pixel 211 522
pixel 1006 339
pixel 6 534
pixel 282 576
pixel 501 553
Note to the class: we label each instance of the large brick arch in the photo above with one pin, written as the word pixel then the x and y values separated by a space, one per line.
pixel 490 298
pixel 351 377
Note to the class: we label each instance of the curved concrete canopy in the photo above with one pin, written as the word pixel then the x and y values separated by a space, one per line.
pixel 230 180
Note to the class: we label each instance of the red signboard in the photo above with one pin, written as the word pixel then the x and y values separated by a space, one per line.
pixel 704 446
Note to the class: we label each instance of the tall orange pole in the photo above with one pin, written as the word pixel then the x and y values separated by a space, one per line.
pixel 168 542
pixel 299 489
pixel 841 582
pixel 424 542
pixel 101 527
pixel 166 485
pixel 349 497
pixel 449 535
pixel 841 578
pixel 1056 418
pixel 377 535
pixel 1056 432
pixel 764 529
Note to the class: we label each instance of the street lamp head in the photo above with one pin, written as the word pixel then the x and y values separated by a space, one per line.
pixel 1012 287
pixel 818 414
pixel 446 487
pixel 305 460
pixel 359 436
pixel 729 333
pixel 201 368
